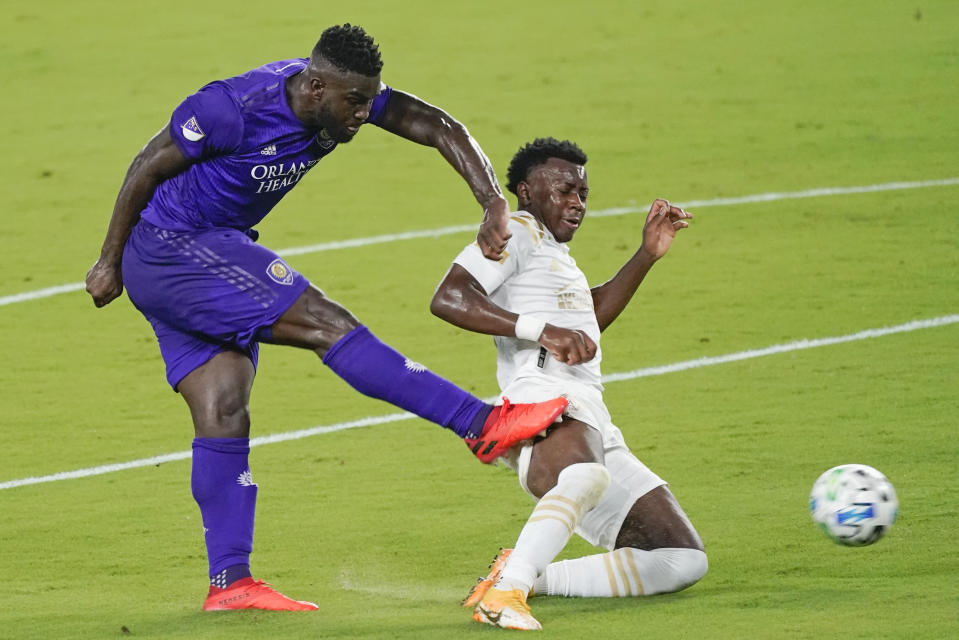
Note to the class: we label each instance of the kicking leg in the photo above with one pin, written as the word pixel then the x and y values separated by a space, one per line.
pixel 375 369
pixel 218 394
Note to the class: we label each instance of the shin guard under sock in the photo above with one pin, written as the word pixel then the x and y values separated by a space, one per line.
pixel 226 494
pixel 377 370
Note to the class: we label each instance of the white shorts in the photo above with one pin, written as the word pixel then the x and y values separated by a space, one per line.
pixel 630 479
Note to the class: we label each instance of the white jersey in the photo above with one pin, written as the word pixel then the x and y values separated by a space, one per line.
pixel 537 277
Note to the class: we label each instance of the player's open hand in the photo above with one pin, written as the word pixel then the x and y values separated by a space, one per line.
pixel 494 232
pixel 662 223
pixel 104 282
pixel 569 346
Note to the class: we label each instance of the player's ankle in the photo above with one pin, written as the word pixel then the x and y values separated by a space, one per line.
pixel 231 576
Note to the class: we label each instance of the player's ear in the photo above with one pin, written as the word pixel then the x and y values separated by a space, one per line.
pixel 522 194
pixel 317 84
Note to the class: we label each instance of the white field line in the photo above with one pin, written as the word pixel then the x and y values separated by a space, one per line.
pixel 798 345
pixel 616 211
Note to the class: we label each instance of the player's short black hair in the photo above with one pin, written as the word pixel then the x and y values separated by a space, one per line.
pixel 349 48
pixel 537 152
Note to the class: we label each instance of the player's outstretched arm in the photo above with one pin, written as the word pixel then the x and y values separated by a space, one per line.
pixel 421 122
pixel 461 300
pixel 158 160
pixel 659 230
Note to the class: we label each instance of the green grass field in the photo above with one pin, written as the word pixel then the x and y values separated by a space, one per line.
pixel 387 526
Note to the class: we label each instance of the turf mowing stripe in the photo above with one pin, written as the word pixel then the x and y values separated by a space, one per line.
pixel 41 293
pixel 601 213
pixel 798 345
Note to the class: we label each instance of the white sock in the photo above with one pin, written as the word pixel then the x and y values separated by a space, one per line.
pixel 623 572
pixel 578 488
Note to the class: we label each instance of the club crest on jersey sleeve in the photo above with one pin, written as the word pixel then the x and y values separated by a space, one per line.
pixel 191 130
pixel 279 272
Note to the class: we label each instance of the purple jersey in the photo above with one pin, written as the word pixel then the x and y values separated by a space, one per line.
pixel 249 147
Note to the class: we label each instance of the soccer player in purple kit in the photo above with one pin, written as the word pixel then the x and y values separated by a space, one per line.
pixel 181 240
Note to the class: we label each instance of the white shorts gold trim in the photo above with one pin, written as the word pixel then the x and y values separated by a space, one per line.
pixel 630 479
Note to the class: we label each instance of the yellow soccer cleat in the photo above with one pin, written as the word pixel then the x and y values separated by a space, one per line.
pixel 506 609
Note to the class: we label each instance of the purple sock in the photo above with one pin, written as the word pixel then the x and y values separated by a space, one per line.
pixel 230 575
pixel 379 371
pixel 223 488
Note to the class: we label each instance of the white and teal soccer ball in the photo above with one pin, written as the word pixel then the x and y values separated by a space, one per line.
pixel 853 504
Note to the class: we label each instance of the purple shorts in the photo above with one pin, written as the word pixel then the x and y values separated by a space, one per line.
pixel 205 291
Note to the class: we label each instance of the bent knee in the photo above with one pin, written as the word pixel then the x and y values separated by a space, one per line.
pixel 587 480
pixel 224 415
pixel 681 568
pixel 325 320
pixel 693 566
pixel 313 322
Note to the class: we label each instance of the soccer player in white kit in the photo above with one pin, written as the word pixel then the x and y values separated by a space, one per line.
pixel 546 323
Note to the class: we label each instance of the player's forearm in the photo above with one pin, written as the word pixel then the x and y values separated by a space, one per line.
pixel 414 119
pixel 465 155
pixel 610 298
pixel 132 199
pixel 159 160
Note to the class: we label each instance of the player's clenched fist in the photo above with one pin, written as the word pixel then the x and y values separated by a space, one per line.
pixel 568 346
pixel 104 283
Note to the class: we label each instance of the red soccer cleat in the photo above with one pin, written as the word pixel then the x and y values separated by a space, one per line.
pixel 512 423
pixel 248 593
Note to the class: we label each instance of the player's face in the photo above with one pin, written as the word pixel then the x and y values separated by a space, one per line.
pixel 555 193
pixel 344 104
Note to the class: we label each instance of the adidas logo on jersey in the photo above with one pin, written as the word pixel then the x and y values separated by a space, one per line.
pixel 268 150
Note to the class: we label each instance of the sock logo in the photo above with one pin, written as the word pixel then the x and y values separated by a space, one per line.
pixel 219 580
pixel 245 479
pixel 415 367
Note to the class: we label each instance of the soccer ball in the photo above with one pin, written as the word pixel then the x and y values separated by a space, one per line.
pixel 853 504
